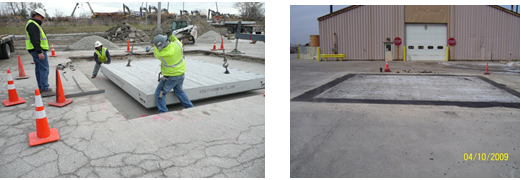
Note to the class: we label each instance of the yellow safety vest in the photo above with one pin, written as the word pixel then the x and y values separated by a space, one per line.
pixel 44 44
pixel 172 60
pixel 102 57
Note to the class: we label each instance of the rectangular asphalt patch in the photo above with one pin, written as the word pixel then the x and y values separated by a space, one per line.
pixel 465 91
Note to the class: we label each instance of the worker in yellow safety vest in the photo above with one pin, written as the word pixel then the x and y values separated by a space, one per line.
pixel 37 44
pixel 170 52
pixel 101 55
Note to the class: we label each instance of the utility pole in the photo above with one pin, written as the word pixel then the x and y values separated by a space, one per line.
pixel 146 17
pixel 158 27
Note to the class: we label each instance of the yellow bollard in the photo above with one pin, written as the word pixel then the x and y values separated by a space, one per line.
pixel 298 51
pixel 404 53
pixel 447 53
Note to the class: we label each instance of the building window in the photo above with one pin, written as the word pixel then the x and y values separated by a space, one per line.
pixel 420 47
pixel 411 47
pixel 440 47
pixel 430 47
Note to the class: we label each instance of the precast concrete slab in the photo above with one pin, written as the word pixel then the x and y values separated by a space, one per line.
pixel 202 80
pixel 468 91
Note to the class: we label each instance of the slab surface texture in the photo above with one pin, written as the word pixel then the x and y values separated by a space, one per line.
pixel 202 80
pixel 426 88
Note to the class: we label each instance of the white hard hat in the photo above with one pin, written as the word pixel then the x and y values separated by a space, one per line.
pixel 38 11
pixel 97 44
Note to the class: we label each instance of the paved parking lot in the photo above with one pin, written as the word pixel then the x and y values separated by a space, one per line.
pixel 361 139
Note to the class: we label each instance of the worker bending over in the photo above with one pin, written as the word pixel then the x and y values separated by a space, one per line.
pixel 101 55
pixel 170 52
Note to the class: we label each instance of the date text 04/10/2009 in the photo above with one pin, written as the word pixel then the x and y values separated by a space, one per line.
pixel 485 157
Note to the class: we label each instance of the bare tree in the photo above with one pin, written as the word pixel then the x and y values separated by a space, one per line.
pixel 35 5
pixel 252 11
pixel 23 9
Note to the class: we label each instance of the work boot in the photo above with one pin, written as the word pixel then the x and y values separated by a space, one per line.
pixel 39 88
pixel 93 77
pixel 48 93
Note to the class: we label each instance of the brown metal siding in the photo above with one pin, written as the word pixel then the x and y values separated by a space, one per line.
pixel 481 32
pixel 362 31
pixel 484 33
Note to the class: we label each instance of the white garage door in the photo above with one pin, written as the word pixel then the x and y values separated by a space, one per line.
pixel 426 41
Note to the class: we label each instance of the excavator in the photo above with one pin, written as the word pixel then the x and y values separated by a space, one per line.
pixel 128 13
pixel 152 15
pixel 213 14
pixel 75 7
pixel 156 12
pixel 195 13
pixel 141 12
pixel 184 12
pixel 165 13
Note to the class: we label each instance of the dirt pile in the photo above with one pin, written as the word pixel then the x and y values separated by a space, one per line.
pixel 124 32
pixel 211 36
pixel 87 43
pixel 201 24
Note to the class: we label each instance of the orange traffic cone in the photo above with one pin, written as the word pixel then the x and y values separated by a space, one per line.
pixel 222 47
pixel 128 46
pixel 387 66
pixel 60 97
pixel 13 96
pixel 214 41
pixel 52 50
pixel 21 71
pixel 43 134
pixel 486 72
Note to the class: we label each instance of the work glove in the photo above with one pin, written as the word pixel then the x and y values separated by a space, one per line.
pixel 169 32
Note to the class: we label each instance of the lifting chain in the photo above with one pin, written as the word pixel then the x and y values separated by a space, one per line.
pixel 225 65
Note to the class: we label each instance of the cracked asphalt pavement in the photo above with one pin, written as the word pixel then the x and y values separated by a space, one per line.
pixel 96 141
pixel 222 139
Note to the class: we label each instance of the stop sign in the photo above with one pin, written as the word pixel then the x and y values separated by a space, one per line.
pixel 451 41
pixel 397 41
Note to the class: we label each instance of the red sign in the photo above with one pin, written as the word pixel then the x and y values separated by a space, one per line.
pixel 397 41
pixel 451 41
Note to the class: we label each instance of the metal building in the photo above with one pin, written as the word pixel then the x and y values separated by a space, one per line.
pixel 369 32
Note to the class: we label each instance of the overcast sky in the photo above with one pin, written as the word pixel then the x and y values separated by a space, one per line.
pixel 304 20
pixel 115 6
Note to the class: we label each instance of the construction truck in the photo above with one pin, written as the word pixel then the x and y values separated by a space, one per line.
pixel 187 34
pixel 6 46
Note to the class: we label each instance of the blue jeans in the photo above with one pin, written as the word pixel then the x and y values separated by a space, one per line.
pixel 176 83
pixel 96 68
pixel 41 70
